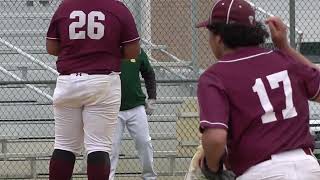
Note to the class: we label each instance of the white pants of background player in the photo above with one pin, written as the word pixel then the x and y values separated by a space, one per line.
pixel 137 124
pixel 85 111
pixel 290 165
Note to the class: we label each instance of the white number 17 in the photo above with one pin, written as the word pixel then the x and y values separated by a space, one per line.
pixel 274 80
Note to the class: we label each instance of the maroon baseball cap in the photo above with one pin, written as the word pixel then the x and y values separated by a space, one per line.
pixel 231 12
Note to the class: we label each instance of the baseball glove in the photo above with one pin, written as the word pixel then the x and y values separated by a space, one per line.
pixel 220 175
pixel 195 172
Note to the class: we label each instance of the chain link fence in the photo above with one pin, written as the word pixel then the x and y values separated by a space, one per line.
pixel 178 52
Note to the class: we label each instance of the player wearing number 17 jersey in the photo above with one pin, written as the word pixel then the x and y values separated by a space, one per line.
pixel 89 38
pixel 255 100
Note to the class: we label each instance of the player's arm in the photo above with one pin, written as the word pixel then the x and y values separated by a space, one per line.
pixel 53 35
pixel 214 142
pixel 148 75
pixel 311 72
pixel 302 59
pixel 280 39
pixel 299 57
pixel 129 34
pixel 53 47
pixel 214 117
pixel 317 99
pixel 131 50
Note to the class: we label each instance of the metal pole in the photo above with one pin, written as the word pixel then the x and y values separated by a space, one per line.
pixel 31 58
pixel 292 16
pixel 145 14
pixel 31 87
pixel 194 38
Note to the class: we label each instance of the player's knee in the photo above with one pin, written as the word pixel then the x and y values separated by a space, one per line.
pixel 62 154
pixel 99 157
pixel 143 144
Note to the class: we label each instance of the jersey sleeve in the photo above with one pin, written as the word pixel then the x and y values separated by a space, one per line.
pixel 53 30
pixel 145 64
pixel 129 32
pixel 148 75
pixel 213 103
pixel 310 78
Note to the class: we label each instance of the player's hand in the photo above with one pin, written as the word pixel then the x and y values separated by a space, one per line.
pixel 150 106
pixel 278 32
pixel 221 174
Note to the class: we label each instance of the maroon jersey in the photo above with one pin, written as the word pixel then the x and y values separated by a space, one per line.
pixel 91 34
pixel 261 98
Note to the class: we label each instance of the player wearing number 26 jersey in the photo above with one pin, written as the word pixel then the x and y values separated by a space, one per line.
pixel 89 37
pixel 255 101
pixel 91 32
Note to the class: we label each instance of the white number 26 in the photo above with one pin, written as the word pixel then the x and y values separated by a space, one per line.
pixel 274 80
pixel 95 30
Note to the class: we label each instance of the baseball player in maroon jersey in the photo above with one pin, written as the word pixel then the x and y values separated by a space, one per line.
pixel 254 101
pixel 89 38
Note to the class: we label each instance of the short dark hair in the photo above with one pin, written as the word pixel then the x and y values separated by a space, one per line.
pixel 237 35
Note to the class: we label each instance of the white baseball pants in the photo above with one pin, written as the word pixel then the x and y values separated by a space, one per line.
pixel 137 124
pixel 85 111
pixel 290 165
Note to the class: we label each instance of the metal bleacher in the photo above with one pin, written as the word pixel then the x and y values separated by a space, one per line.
pixel 26 121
